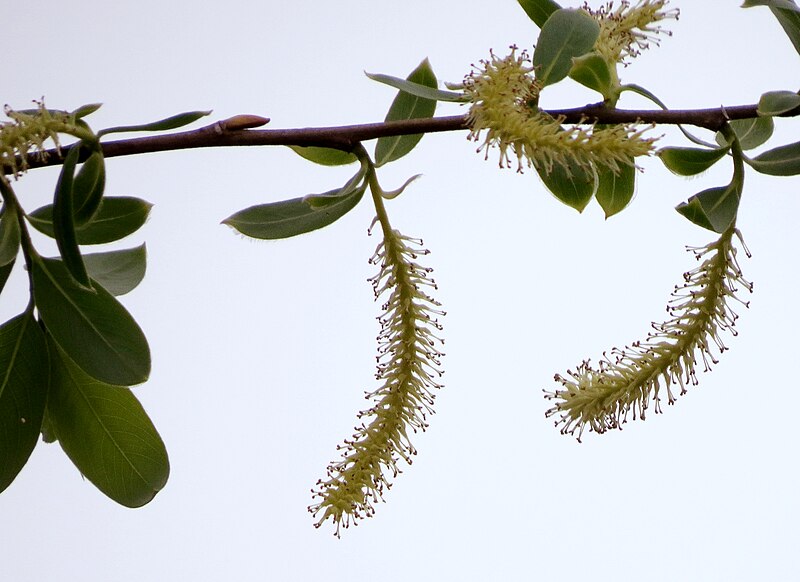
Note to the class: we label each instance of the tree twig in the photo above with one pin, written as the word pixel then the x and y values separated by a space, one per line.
pixel 347 137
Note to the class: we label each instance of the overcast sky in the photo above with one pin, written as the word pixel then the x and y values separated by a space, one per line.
pixel 262 351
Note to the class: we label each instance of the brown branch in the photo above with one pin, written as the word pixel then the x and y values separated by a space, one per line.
pixel 347 137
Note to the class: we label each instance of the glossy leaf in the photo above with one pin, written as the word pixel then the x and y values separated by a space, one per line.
pixel 407 106
pixel 106 433
pixel 292 217
pixel 777 102
pixel 781 161
pixel 714 209
pixel 592 71
pixel 92 327
pixel 64 220
pixel 418 89
pixel 574 188
pixel 567 34
pixel 173 122
pixel 615 190
pixel 119 272
pixel 88 187
pixel 23 392
pixel 751 132
pixel 690 161
pixel 9 236
pixel 539 10
pixel 324 156
pixel 116 218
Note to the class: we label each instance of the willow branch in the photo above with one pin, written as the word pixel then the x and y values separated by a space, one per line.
pixel 347 137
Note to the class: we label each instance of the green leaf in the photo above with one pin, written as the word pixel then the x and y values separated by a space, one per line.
pixel 574 188
pixel 789 19
pixel 85 110
pixel 88 187
pixel 690 161
pixel 751 132
pixel 639 90
pixel 781 161
pixel 567 34
pixel 116 218
pixel 92 327
pixel 5 272
pixel 106 433
pixel 777 102
pixel 118 271
pixel 64 220
pixel 324 156
pixel 23 392
pixel 539 10
pixel 417 89
pixel 592 71
pixel 615 190
pixel 714 209
pixel 407 106
pixel 173 122
pixel 9 236
pixel 391 194
pixel 292 217
pixel 785 4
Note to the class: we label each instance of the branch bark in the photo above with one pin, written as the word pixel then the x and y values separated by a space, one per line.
pixel 348 137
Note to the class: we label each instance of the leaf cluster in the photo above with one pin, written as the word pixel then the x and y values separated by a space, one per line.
pixel 70 358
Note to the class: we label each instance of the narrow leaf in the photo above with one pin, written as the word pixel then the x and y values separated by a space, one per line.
pixel 116 218
pixel 615 190
pixel 781 161
pixel 5 272
pixel 317 201
pixel 292 217
pixel 9 236
pixel 574 188
pixel 539 10
pixel 324 156
pixel 88 187
pixel 647 94
pixel 92 327
pixel 690 161
pixel 785 4
pixel 64 220
pixel 23 392
pixel 567 34
pixel 391 194
pixel 85 110
pixel 106 433
pixel 789 19
pixel 417 89
pixel 173 122
pixel 751 132
pixel 777 102
pixel 119 272
pixel 407 106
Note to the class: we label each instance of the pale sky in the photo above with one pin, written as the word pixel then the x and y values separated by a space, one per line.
pixel 262 351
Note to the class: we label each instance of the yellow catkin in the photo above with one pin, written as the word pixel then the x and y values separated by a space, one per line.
pixel 627 381
pixel 502 91
pixel 408 368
